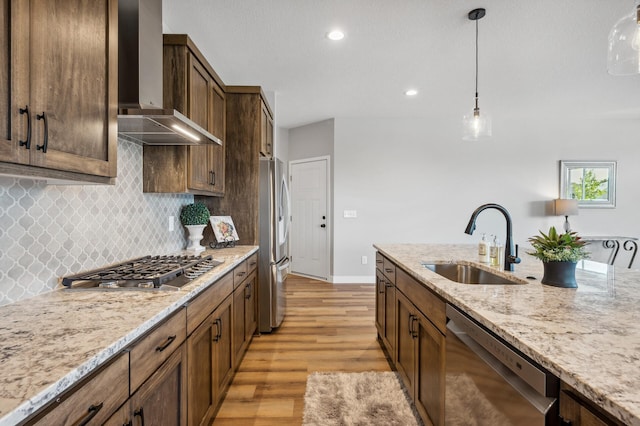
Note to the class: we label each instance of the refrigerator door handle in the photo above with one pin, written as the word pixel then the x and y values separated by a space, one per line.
pixel 285 264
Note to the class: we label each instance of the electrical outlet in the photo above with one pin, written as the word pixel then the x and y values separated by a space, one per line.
pixel 364 260
pixel 171 222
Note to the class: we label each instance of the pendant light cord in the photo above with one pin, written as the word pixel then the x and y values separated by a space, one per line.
pixel 476 64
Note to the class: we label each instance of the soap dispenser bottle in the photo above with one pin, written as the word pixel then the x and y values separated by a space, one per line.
pixel 483 250
pixel 495 252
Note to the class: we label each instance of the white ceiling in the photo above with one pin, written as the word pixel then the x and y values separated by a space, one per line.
pixel 538 58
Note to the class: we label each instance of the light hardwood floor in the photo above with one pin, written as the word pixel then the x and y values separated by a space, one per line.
pixel 327 328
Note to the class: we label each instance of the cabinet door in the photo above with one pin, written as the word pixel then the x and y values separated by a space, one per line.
pixel 199 110
pixel 161 400
pixel 200 385
pixel 405 349
pixel 218 128
pixel 430 356
pixel 266 132
pixel 223 351
pixel 73 85
pixel 380 304
pixel 390 316
pixel 14 95
pixel 250 322
pixel 239 335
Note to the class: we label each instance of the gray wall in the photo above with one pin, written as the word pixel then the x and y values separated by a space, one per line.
pixel 415 180
pixel 49 231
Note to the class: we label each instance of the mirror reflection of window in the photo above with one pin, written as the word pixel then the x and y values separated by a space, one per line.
pixel 591 183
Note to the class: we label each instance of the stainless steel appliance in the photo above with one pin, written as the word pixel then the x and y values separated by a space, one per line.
pixel 273 258
pixel 149 272
pixel 490 382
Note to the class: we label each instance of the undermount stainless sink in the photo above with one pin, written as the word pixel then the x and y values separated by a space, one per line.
pixel 469 274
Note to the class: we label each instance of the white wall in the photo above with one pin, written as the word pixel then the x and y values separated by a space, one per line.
pixel 415 180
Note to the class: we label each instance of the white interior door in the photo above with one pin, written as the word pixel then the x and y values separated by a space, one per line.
pixel 309 218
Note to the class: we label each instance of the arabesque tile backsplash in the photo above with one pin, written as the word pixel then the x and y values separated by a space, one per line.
pixel 48 231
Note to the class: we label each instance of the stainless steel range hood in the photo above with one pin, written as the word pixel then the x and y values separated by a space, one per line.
pixel 141 118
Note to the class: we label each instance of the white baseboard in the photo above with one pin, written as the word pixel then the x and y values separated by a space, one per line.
pixel 353 279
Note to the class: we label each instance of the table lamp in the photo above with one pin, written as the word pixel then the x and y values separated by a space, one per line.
pixel 566 208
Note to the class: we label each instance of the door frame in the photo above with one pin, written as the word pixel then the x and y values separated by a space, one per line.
pixel 329 223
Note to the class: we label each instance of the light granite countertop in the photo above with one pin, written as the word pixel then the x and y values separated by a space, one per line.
pixel 49 342
pixel 589 336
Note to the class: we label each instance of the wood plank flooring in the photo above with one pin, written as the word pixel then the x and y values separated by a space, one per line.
pixel 326 328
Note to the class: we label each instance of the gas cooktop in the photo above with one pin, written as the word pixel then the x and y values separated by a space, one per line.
pixel 149 272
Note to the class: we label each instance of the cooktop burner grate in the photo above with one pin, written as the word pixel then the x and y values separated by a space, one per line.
pixel 153 271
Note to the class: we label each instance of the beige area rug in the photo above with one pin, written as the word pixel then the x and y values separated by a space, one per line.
pixel 371 398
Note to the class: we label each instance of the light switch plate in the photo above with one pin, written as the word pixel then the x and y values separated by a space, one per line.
pixel 350 214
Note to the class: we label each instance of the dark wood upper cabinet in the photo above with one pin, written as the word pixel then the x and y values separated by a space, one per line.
pixel 191 86
pixel 58 89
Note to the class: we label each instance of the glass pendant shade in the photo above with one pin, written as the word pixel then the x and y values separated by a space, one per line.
pixel 476 126
pixel 624 45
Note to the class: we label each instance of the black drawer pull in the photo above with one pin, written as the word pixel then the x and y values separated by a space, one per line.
pixel 242 273
pixel 169 341
pixel 45 141
pixel 388 270
pixel 26 143
pixel 91 413
pixel 139 413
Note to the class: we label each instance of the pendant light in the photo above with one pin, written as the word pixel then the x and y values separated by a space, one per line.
pixel 624 44
pixel 477 126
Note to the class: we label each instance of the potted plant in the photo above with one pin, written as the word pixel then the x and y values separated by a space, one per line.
pixel 195 217
pixel 559 254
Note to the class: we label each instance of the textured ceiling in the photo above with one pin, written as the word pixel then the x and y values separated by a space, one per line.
pixel 537 58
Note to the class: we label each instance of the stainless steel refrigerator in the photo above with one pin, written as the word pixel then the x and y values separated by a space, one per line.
pixel 273 257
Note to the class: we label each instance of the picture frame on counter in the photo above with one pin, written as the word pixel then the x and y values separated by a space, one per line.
pixel 224 229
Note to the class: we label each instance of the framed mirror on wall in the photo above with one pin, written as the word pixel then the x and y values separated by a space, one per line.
pixel 592 183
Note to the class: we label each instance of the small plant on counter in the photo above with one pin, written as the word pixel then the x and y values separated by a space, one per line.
pixel 555 247
pixel 194 214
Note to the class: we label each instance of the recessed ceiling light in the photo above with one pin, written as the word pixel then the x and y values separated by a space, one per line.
pixel 335 35
pixel 411 92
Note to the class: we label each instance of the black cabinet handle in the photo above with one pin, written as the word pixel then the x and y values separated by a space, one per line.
pixel 413 331
pixel 323 226
pixel 169 341
pixel 247 292
pixel 242 273
pixel 218 335
pixel 45 141
pixel 91 413
pixel 411 325
pixel 26 143
pixel 388 270
pixel 381 282
pixel 212 177
pixel 139 413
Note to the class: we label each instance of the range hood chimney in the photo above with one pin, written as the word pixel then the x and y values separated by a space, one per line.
pixel 141 117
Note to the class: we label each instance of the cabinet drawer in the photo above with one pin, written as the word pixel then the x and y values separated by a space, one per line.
pixel 379 262
pixel 252 263
pixel 389 270
pixel 153 349
pixel 424 299
pixel 93 401
pixel 202 305
pixel 240 273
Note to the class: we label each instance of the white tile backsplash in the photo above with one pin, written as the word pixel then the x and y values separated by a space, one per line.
pixel 48 231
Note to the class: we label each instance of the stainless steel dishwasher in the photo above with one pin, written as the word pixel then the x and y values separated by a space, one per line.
pixel 490 383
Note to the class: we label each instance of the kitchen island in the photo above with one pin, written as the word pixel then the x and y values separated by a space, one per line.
pixel 589 337
pixel 50 342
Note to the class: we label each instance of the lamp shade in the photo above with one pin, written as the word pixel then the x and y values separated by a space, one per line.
pixel 566 207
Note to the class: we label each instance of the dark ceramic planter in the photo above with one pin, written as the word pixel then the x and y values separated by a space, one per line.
pixel 560 274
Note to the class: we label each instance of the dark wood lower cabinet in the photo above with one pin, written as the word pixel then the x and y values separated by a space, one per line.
pixel 420 359
pixel 575 410
pixel 244 316
pixel 210 364
pixel 162 399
